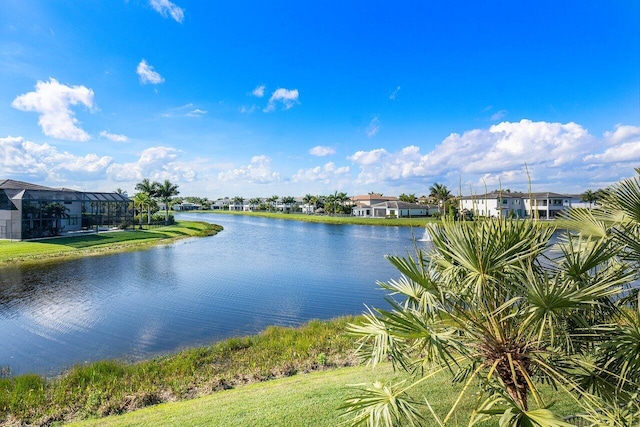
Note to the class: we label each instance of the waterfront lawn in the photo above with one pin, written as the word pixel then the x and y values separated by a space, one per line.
pixel 329 219
pixel 87 244
pixel 222 385
pixel 308 400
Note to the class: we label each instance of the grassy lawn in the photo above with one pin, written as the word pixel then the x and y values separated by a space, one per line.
pixel 302 400
pixel 282 376
pixel 89 244
pixel 327 219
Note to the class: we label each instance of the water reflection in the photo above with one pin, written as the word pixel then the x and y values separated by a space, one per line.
pixel 255 273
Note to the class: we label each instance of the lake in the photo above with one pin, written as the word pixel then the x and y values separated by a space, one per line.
pixel 135 305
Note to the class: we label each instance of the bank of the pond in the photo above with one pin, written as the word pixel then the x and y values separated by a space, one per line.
pixel 100 243
pixel 230 379
pixel 333 219
pixel 110 387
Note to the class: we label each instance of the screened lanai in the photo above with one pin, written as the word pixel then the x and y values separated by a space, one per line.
pixel 29 211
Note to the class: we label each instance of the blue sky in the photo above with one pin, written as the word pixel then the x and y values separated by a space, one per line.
pixel 293 97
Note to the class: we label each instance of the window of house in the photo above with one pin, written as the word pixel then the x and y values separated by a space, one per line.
pixel 516 202
pixel 505 201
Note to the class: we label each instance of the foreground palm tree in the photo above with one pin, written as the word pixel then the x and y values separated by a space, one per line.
pixel 488 304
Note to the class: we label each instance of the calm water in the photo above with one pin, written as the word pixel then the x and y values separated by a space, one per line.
pixel 255 273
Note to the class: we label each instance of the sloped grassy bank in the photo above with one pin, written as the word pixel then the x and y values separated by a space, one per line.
pixel 100 243
pixel 112 387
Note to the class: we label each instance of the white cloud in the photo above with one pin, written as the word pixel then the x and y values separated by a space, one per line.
pixel 499 115
pixel 155 163
pixel 44 162
pixel 557 155
pixel 394 93
pixel 147 74
pixel 165 7
pixel 196 113
pixel 322 151
pixel 259 91
pixel 113 136
pixel 53 100
pixel 287 97
pixel 624 146
pixel 623 133
pixel 374 127
pixel 247 110
pixel 324 174
pixel 257 171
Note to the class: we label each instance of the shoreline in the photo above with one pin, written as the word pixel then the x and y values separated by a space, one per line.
pixel 60 248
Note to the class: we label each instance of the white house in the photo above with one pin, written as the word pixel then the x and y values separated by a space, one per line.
pixel 544 205
pixel 186 206
pixel 391 209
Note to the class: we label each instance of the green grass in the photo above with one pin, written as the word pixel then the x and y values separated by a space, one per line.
pixel 328 219
pixel 307 400
pixel 106 242
pixel 282 376
pixel 111 387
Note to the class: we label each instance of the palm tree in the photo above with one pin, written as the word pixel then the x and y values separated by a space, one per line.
pixel 238 200
pixel 307 202
pixel 440 193
pixel 288 201
pixel 255 202
pixel 409 198
pixel 164 192
pixel 272 202
pixel 341 199
pixel 150 189
pixel 589 196
pixel 141 200
pixel 488 305
pixel 330 203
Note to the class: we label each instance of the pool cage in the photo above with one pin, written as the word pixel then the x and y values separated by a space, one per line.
pixel 37 213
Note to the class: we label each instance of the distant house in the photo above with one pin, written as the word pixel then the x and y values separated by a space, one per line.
pixel 543 205
pixel 371 199
pixel 391 209
pixel 30 211
pixel 220 204
pixel 186 206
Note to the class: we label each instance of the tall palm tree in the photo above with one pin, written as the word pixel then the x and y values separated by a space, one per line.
pixel 488 305
pixel 238 200
pixel 142 200
pixel 272 202
pixel 149 188
pixel 307 201
pixel 589 197
pixel 440 193
pixel 289 202
pixel 164 192
pixel 254 203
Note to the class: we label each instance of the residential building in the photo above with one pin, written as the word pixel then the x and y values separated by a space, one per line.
pixel 186 206
pixel 30 211
pixel 371 199
pixel 542 205
pixel 391 209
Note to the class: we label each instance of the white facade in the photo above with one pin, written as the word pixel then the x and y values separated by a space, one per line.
pixel 391 210
pixel 518 205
